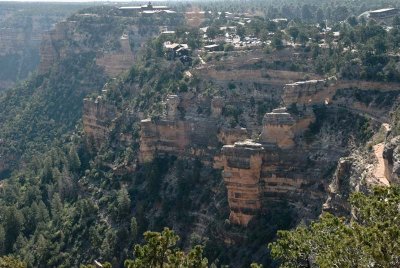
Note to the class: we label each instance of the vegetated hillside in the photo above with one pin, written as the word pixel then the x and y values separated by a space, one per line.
pixel 22 26
pixel 77 58
pixel 225 152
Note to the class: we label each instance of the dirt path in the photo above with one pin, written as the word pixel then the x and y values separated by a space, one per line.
pixel 379 169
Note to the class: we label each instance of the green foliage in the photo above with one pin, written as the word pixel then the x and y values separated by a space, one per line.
pixel 396 122
pixel 371 237
pixel 10 262
pixel 161 250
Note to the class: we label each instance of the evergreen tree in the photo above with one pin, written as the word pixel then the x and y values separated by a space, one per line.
pixel 73 159
pixel 371 237
pixel 161 251
pixel 123 204
pixel 13 226
pixel 134 228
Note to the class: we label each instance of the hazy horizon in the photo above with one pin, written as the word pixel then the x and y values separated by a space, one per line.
pixel 82 1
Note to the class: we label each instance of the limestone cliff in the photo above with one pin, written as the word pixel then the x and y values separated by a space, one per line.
pixel 114 40
pixel 175 135
pixel 97 120
pixel 294 150
pixel 282 166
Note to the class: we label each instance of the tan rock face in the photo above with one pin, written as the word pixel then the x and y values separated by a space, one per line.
pixel 20 37
pixel 277 128
pixel 119 61
pixel 175 134
pixel 97 120
pixel 259 175
pixel 115 59
pixel 162 137
pixel 48 54
pixel 50 50
pixel 309 92
pixel 391 157
pixel 182 138
pixel 229 136
pixel 242 173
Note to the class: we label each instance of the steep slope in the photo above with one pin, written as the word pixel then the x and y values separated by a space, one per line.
pixel 77 57
pixel 225 153
pixel 21 29
pixel 280 177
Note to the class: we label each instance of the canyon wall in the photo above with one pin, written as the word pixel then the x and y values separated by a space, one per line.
pixel 21 33
pixel 174 134
pixel 97 121
pixel 287 154
pixel 280 165
pixel 115 50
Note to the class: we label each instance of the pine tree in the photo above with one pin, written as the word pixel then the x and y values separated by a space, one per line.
pixel 13 226
pixel 134 228
pixel 160 250
pixel 124 204
pixel 370 238
pixel 73 159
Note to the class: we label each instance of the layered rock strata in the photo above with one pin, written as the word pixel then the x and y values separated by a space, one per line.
pixel 391 156
pixel 116 62
pixel 98 116
pixel 280 166
pixel 277 128
pixel 242 164
pixel 172 134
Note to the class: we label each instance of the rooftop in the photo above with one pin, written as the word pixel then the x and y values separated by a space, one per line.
pixel 382 10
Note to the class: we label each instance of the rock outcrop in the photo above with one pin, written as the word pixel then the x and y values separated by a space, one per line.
pixel 277 128
pixel 115 47
pixel 97 120
pixel 309 92
pixel 116 62
pixel 280 165
pixel 175 135
pixel 260 174
pixel 391 155
pixel 340 188
pixel 242 164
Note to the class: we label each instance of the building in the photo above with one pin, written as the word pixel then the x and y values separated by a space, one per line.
pixel 173 50
pixel 384 13
pixel 146 9
pixel 213 47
